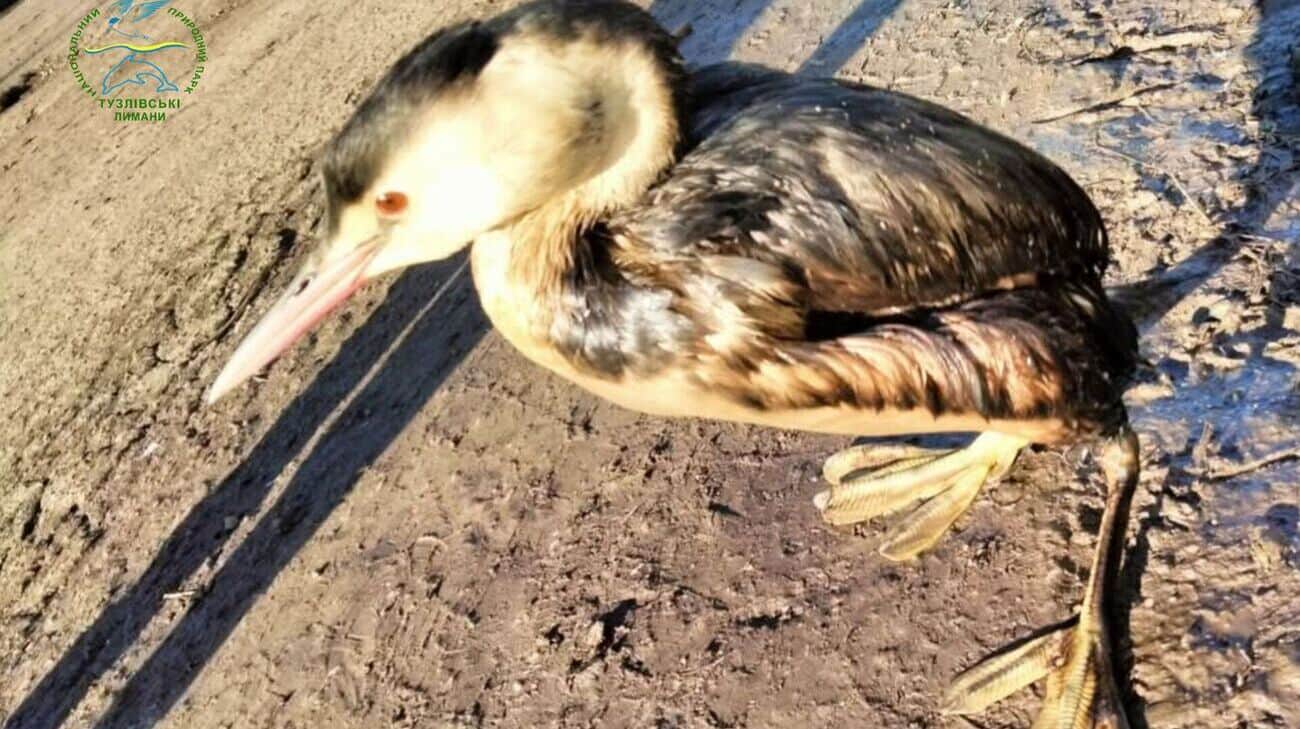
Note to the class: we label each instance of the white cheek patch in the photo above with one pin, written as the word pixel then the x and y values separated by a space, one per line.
pixel 454 189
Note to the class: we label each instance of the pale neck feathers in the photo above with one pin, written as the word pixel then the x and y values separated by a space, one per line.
pixel 632 111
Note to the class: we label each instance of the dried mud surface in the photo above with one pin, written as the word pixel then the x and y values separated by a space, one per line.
pixel 405 524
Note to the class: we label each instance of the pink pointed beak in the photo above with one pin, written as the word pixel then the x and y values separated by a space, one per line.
pixel 311 296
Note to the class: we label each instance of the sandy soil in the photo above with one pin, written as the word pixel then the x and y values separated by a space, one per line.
pixel 403 523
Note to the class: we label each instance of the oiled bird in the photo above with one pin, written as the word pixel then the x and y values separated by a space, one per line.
pixel 735 243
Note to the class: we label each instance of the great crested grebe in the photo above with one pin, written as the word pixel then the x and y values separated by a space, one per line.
pixel 740 244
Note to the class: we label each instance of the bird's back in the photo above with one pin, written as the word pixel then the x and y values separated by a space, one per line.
pixel 885 202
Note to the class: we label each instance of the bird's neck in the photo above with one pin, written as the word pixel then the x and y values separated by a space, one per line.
pixel 636 106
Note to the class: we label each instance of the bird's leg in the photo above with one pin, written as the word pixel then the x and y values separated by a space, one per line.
pixel 1076 660
pixel 868 481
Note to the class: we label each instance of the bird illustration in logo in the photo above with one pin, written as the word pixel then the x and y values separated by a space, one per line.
pixel 120 10
pixel 134 68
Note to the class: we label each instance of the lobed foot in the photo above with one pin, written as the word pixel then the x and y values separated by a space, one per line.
pixel 1081 691
pixel 1076 661
pixel 868 481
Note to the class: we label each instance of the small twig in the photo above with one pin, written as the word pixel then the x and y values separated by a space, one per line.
pixel 1145 113
pixel 1244 468
pixel 1137 45
pixel 180 595
pixel 1170 41
pixel 1196 205
pixel 705 667
pixel 631 512
pixel 1107 104
pixel 900 80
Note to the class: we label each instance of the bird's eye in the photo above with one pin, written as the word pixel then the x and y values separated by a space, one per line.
pixel 390 204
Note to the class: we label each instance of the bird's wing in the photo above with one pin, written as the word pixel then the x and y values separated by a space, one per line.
pixel 873 202
pixel 119 7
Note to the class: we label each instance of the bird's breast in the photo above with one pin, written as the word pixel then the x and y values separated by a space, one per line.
pixel 513 310
pixel 516 312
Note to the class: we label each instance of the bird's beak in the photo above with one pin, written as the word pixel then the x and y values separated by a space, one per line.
pixel 316 291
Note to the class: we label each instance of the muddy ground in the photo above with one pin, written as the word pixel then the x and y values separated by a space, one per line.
pixel 406 524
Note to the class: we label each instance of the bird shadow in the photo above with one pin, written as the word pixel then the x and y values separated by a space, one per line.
pixel 425 343
pixel 716 34
pixel 837 48
pixel 421 338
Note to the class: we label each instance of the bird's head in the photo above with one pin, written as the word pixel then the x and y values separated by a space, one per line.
pixel 558 104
